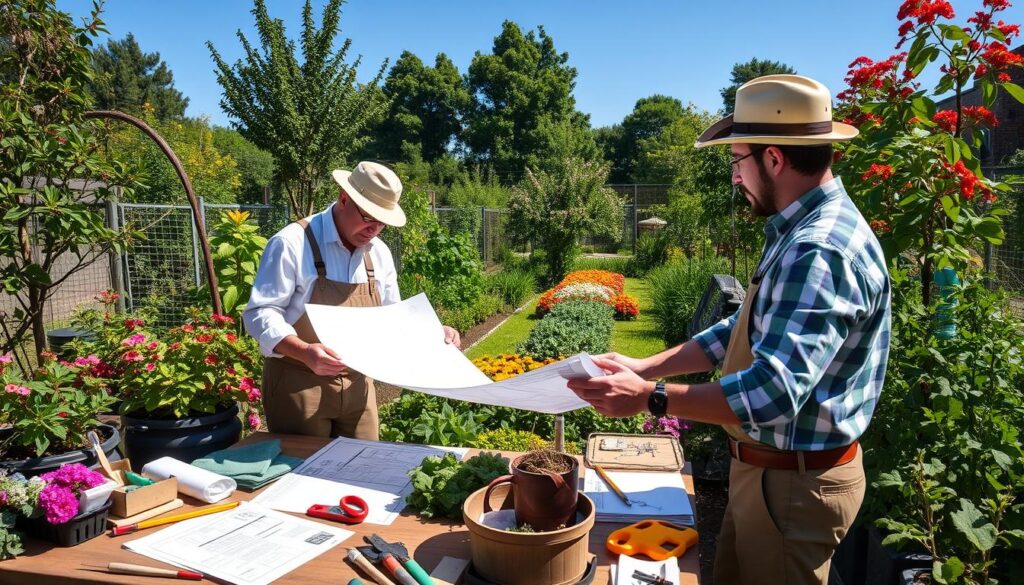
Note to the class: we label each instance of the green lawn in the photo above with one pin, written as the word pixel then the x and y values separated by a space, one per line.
pixel 639 338
pixel 509 334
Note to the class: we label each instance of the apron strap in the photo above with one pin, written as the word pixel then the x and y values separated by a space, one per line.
pixel 318 260
pixel 369 272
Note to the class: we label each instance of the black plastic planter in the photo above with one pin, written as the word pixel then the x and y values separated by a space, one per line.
pixel 185 439
pixel 111 443
pixel 75 531
pixel 885 565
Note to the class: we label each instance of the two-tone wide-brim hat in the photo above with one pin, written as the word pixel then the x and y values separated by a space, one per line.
pixel 779 109
pixel 376 189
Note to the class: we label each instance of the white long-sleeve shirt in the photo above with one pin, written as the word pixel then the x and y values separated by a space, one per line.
pixel 284 281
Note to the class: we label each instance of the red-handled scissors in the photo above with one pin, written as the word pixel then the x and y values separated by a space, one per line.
pixel 350 510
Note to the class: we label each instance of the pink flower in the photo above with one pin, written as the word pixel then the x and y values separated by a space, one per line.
pixel 132 356
pixel 254 421
pixel 16 389
pixel 5 358
pixel 150 367
pixel 254 394
pixel 175 345
pixel 246 384
pixel 152 346
pixel 59 503
pixel 134 340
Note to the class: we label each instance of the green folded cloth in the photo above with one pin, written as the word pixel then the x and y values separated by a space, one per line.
pixel 251 466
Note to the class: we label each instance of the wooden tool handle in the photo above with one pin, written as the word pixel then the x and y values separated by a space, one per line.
pixel 131 569
pixel 102 457
pixel 357 559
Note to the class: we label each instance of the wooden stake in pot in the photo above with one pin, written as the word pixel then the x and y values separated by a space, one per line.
pixel 114 475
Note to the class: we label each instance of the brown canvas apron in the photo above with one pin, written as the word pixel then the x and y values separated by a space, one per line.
pixel 780 526
pixel 297 401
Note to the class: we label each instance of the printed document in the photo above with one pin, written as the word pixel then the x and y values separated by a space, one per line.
pixel 376 471
pixel 403 344
pixel 654 494
pixel 248 545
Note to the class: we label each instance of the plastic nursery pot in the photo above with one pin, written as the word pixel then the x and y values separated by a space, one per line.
pixel 543 500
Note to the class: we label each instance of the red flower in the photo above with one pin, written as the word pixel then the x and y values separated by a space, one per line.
pixel 187 328
pixel 999 57
pixel 981 71
pixel 204 338
pixel 968 180
pixel 62 414
pixel 1004 77
pixel 906 27
pixel 1009 30
pixel 882 172
pixel 925 11
pixel 946 119
pixel 981 116
pixel 175 345
pixel 222 319
pixel 211 360
pixel 133 323
pixel 231 337
pixel 996 5
pixel 132 356
pixel 880 226
pixel 982 19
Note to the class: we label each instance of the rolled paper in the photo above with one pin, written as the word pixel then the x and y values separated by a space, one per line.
pixel 199 483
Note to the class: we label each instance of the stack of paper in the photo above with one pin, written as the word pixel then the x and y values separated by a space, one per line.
pixel 659 495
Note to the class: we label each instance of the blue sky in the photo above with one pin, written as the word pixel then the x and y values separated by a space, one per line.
pixel 622 50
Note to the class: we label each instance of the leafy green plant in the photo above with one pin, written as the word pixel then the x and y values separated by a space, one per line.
pixel 675 291
pixel 237 246
pixel 441 484
pixel 569 328
pixel 514 287
pixel 652 250
pixel 465 318
pixel 444 266
pixel 944 450
pixel 513 440
pixel 51 410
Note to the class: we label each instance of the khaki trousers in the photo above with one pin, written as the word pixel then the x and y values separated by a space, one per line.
pixel 781 527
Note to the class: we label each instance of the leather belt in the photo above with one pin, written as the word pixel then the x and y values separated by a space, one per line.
pixel 793 460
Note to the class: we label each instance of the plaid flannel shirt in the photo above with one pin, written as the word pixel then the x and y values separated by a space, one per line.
pixel 819 328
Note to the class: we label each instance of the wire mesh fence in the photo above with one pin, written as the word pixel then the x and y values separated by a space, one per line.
pixel 1005 262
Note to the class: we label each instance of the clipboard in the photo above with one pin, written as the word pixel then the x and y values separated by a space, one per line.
pixel 634 452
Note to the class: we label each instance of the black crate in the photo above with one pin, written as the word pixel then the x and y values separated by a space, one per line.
pixel 75 531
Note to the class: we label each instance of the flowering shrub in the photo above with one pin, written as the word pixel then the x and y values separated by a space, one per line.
pixel 666 425
pixel 18 497
pixel 592 285
pixel 195 368
pixel 922 187
pixel 508 365
pixel 51 410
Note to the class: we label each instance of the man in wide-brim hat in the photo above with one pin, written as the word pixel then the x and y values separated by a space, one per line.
pixel 331 258
pixel 804 358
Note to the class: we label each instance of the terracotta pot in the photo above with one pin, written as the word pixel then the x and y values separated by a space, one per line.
pixel 545 501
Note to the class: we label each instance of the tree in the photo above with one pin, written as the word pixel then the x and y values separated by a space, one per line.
pixel 53 170
pixel 554 209
pixel 424 111
pixel 126 78
pixel 650 116
pixel 744 72
pixel 312 115
pixel 660 155
pixel 522 93
pixel 255 166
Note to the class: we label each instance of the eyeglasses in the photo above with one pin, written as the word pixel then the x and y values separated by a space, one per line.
pixel 362 214
pixel 736 161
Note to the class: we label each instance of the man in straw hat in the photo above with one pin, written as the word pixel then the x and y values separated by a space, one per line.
pixel 331 258
pixel 804 358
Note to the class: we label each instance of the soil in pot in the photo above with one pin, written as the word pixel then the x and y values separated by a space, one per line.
pixel 544 462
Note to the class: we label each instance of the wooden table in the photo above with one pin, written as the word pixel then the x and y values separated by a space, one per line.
pixel 428 541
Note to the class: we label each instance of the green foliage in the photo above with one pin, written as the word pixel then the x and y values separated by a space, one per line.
pixel 55 175
pixel 472 191
pixel 312 115
pixel 512 440
pixel 466 317
pixel 665 157
pixel 513 287
pixel 50 411
pixel 921 185
pixel 652 250
pixel 675 291
pixel 569 328
pixel 744 72
pixel 650 116
pixel 423 114
pixel 255 166
pixel 621 265
pixel 554 210
pixel 126 79
pixel 441 484
pixel 213 174
pixel 21 499
pixel 944 450
pixel 447 268
pixel 523 104
pixel 237 246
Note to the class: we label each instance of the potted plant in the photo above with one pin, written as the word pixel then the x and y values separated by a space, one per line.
pixel 185 390
pixel 48 413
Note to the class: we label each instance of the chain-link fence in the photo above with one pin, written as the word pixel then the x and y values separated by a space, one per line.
pixel 485 226
pixel 1005 263
pixel 164 269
